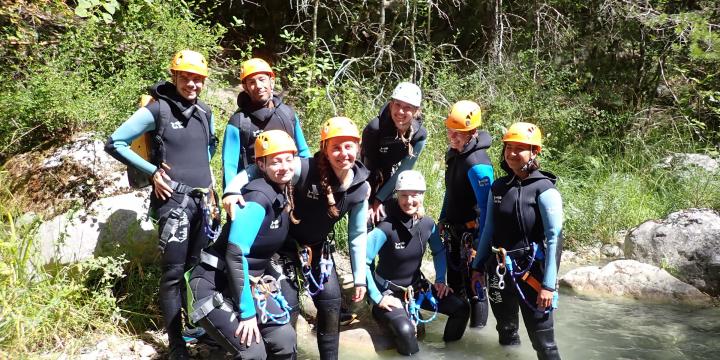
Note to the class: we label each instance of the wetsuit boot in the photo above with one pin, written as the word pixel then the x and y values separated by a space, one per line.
pixel 544 344
pixel 478 312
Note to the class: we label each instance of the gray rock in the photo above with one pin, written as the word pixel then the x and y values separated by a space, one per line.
pixel 686 243
pixel 687 161
pixel 98 230
pixel 633 279
pixel 611 251
pixel 89 152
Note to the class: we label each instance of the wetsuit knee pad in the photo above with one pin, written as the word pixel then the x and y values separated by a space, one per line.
pixel 281 342
pixel 458 314
pixel 405 338
pixel 172 274
pixel 544 344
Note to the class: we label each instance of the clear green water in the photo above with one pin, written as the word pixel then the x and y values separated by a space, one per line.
pixel 587 329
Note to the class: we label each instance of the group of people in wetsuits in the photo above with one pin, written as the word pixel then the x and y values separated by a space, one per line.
pixel 242 285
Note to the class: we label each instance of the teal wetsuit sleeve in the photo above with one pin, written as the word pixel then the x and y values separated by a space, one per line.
pixel 375 241
pixel 481 178
pixel 253 172
pixel 243 232
pixel 300 142
pixel 357 238
pixel 231 153
pixel 139 123
pixel 407 163
pixel 483 246
pixel 243 178
pixel 212 146
pixel 437 249
pixel 551 211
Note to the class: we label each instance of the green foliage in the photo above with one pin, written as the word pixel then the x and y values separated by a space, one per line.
pixel 94 74
pixel 41 305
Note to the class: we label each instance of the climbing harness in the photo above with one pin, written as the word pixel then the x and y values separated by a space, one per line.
pixel 208 204
pixel 211 213
pixel 507 264
pixel 413 306
pixel 325 264
pixel 266 288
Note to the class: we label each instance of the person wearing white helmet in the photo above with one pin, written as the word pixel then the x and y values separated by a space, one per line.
pixel 396 286
pixel 391 143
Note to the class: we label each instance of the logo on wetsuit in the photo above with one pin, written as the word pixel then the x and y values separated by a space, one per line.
pixel 400 245
pixel 275 224
pixel 176 125
pixel 313 192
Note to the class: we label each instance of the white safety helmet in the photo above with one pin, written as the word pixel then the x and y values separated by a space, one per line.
pixel 408 92
pixel 410 180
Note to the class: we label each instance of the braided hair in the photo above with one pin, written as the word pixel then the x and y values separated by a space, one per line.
pixel 325 173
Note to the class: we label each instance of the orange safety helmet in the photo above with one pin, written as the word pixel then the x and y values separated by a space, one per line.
pixel 464 115
pixel 274 142
pixel 189 61
pixel 339 126
pixel 524 133
pixel 254 66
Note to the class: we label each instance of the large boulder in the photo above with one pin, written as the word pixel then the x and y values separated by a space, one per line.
pixel 84 194
pixel 112 223
pixel 633 279
pixel 687 243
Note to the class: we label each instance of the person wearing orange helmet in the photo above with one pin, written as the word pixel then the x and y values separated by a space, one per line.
pixel 522 238
pixel 468 171
pixel 179 170
pixel 259 109
pixel 235 294
pixel 328 186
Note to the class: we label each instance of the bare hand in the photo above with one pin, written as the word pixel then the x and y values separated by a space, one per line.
pixel 359 293
pixel 229 201
pixel 477 277
pixel 442 290
pixel 544 299
pixel 388 302
pixel 161 187
pixel 247 331
pixel 376 212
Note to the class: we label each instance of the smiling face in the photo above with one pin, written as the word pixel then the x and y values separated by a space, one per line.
pixel 517 155
pixel 259 87
pixel 458 139
pixel 278 167
pixel 410 201
pixel 402 114
pixel 341 152
pixel 188 84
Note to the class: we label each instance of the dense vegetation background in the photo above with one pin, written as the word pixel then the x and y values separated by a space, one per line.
pixel 616 85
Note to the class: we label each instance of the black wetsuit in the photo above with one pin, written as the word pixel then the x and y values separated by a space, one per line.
pixel 229 267
pixel 187 140
pixel 314 229
pixel 400 243
pixel 469 172
pixel 385 154
pixel 525 213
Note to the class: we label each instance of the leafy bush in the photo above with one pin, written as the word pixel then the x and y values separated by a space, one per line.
pixel 91 78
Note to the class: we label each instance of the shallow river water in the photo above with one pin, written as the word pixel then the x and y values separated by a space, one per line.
pixel 586 329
